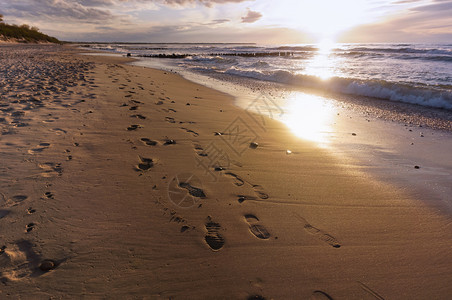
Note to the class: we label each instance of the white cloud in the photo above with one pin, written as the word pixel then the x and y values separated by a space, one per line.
pixel 251 16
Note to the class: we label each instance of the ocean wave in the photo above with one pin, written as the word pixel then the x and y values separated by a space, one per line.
pixel 405 56
pixel 430 57
pixel 260 65
pixel 212 59
pixel 421 95
pixel 402 50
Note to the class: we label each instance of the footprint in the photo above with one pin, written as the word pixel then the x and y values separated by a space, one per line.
pixel 329 239
pixel 170 120
pixel 39 148
pixel 319 295
pixel 59 131
pixel 51 169
pixel 194 133
pixel 18 198
pixel 258 230
pixel 192 190
pixel 30 227
pixel 10 202
pixel 149 142
pixel 134 127
pixel 169 142
pixel 259 190
pixel 237 180
pixel 145 164
pixel 199 150
pixel 19 261
pixel 213 237
pixel 141 117
pixel 49 195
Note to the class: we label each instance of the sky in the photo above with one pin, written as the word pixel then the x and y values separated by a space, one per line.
pixel 259 21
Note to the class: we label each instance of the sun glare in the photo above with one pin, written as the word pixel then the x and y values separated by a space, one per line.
pixel 309 117
pixel 323 19
pixel 325 46
pixel 322 64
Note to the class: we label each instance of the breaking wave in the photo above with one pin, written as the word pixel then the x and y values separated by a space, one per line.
pixel 431 96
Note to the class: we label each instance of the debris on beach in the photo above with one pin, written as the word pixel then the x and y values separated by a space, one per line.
pixel 254 145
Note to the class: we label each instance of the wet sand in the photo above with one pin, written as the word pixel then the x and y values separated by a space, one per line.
pixel 135 183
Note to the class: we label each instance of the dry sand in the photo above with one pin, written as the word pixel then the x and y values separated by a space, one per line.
pixel 136 183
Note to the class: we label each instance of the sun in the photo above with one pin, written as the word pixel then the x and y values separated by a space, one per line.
pixel 323 19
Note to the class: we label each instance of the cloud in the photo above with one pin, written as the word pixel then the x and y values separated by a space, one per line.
pixel 57 10
pixel 406 1
pixel 190 34
pixel 95 3
pixel 251 16
pixel 207 3
pixel 425 23
pixel 217 22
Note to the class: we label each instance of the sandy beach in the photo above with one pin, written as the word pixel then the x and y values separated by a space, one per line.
pixel 124 182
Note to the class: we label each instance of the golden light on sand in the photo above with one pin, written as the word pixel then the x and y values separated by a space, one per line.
pixel 309 117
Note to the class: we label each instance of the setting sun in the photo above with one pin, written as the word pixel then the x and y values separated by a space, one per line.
pixel 323 19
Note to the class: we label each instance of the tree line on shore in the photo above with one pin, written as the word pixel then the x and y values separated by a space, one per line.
pixel 23 33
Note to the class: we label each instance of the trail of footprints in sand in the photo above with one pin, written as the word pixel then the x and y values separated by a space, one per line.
pixel 19 259
pixel 213 230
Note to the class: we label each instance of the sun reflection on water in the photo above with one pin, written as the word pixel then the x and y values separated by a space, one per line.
pixel 322 65
pixel 309 117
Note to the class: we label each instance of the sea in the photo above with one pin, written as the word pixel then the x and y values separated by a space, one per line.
pixel 412 73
